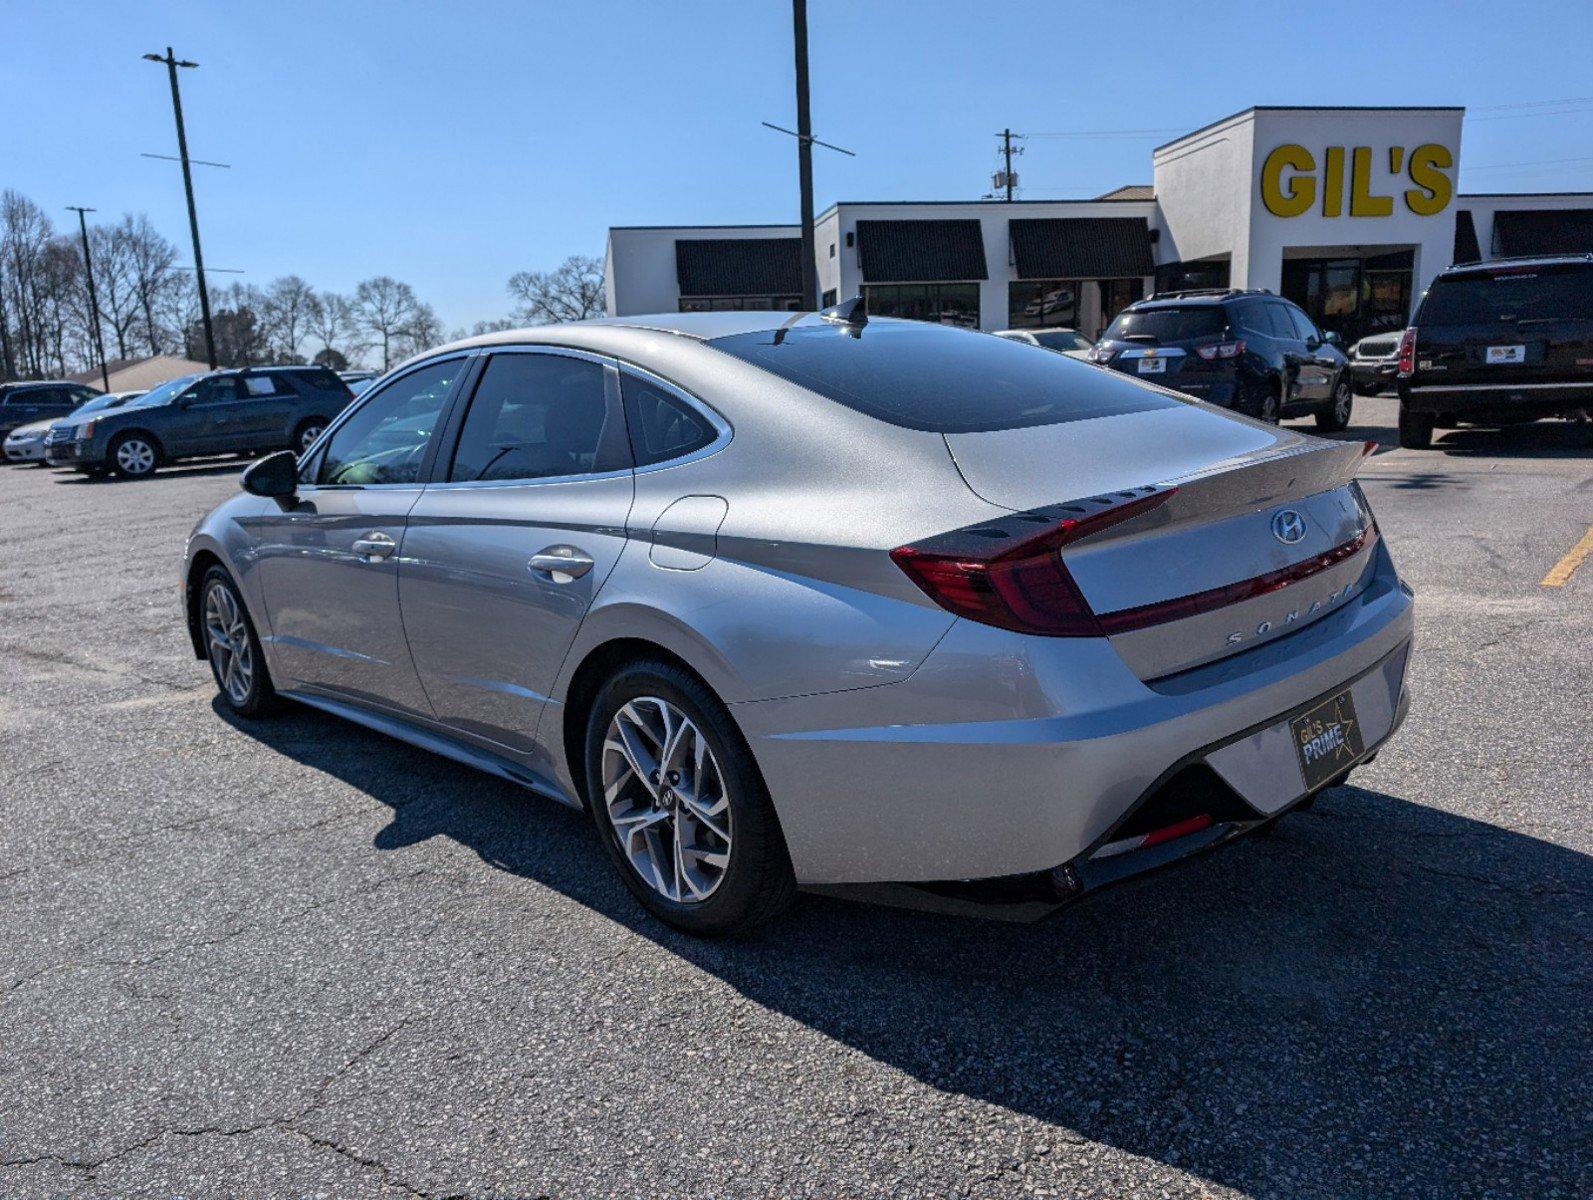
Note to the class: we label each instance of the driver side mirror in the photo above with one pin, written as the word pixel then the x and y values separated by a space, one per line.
pixel 1332 338
pixel 275 475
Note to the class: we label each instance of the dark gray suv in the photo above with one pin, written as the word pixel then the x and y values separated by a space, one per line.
pixel 25 403
pixel 225 412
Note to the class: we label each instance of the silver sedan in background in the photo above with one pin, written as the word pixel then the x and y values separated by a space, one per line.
pixel 793 600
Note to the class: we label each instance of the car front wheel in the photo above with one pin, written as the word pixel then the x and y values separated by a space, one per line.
pixel 233 647
pixel 134 456
pixel 1336 415
pixel 680 804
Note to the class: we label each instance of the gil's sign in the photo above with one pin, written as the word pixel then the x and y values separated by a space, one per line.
pixel 1291 185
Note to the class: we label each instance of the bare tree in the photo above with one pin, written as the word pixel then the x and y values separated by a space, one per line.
pixel 286 316
pixel 332 323
pixel 572 291
pixel 113 274
pixel 151 258
pixel 387 310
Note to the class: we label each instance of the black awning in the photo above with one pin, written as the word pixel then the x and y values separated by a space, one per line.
pixel 945 251
pixel 1543 231
pixel 739 266
pixel 1082 248
pixel 1466 248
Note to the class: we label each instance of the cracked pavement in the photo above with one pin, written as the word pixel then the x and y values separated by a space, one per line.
pixel 298 959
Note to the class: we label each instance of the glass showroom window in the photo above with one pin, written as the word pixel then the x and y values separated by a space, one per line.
pixel 947 303
pixel 740 303
pixel 1036 303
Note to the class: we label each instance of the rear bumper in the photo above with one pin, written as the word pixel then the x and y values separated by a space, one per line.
pixel 1487 399
pixel 1374 372
pixel 1007 755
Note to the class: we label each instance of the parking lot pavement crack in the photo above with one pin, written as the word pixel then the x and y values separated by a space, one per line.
pixel 383 1171
pixel 349 1064
pixel 90 1167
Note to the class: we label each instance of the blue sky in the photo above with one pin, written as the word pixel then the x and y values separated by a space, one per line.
pixel 451 145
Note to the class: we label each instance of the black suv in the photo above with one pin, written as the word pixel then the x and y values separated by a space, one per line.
pixel 1498 342
pixel 25 403
pixel 225 412
pixel 1250 351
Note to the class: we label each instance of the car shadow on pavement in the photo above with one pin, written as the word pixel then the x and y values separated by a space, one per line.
pixel 1379 998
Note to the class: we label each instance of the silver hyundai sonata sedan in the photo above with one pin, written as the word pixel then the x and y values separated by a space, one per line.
pixel 799 600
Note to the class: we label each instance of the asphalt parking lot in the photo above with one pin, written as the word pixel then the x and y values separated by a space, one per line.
pixel 296 958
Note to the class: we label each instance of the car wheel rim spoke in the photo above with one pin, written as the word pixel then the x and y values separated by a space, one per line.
pixel 666 800
pixel 228 637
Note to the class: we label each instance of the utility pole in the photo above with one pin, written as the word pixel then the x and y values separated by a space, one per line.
pixel 1006 150
pixel 172 63
pixel 810 266
pixel 94 300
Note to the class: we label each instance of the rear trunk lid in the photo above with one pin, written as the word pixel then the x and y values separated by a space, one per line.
pixel 1265 533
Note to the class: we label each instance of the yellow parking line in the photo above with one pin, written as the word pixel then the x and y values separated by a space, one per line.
pixel 1560 574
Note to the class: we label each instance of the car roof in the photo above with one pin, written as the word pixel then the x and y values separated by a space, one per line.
pixel 700 326
pixel 1530 260
pixel 40 383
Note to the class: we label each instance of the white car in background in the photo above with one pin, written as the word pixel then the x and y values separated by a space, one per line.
pixel 25 443
pixel 1064 341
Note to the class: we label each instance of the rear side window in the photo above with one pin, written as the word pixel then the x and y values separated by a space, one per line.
pixel 1169 324
pixel 1251 317
pixel 662 426
pixel 322 379
pixel 930 377
pixel 534 416
pixel 1549 293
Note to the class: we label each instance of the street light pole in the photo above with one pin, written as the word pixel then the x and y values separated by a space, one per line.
pixel 810 266
pixel 94 300
pixel 172 63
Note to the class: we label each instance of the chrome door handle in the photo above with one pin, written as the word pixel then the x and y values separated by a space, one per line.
pixel 374 546
pixel 562 563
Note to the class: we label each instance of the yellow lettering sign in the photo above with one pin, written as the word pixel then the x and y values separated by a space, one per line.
pixel 1301 192
pixel 1362 202
pixel 1433 189
pixel 1289 182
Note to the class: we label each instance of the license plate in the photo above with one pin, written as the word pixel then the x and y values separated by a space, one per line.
pixel 1153 366
pixel 1507 354
pixel 1327 739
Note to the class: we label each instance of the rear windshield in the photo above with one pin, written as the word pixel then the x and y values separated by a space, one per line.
pixel 1168 324
pixel 923 376
pixel 1547 293
pixel 1061 339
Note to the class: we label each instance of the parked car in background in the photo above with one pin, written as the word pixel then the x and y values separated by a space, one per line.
pixel 1064 341
pixel 825 599
pixel 1250 351
pixel 1374 362
pixel 41 400
pixel 357 381
pixel 25 443
pixel 1496 343
pixel 244 411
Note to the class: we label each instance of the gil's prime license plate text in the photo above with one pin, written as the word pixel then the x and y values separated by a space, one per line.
pixel 1328 739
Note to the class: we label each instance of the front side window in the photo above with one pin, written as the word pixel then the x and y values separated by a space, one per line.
pixel 534 416
pixel 1303 328
pixel 386 440
pixel 207 391
pixel 662 426
pixel 1282 326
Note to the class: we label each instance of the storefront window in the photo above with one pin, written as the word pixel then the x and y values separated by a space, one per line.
pixel 1352 297
pixel 946 303
pixel 1116 295
pixel 740 303
pixel 1037 303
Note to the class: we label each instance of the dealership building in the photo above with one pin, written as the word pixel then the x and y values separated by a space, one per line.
pixel 1350 212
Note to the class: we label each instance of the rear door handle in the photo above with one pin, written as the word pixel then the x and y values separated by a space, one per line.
pixel 562 564
pixel 374 546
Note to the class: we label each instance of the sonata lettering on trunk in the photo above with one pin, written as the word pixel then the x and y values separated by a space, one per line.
pixel 1283 621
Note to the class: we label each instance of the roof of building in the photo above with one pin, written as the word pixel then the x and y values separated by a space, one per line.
pixel 140 374
pixel 1261 108
pixel 1130 191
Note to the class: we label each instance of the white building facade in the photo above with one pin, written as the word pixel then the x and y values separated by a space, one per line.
pixel 1350 212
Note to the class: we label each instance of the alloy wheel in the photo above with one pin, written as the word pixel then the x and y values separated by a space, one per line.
pixel 227 635
pixel 136 456
pixel 1343 399
pixel 308 436
pixel 666 800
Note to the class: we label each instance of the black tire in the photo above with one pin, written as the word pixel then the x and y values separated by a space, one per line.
pixel 1415 429
pixel 758 884
pixel 306 432
pixel 1336 415
pixel 259 698
pixel 1260 400
pixel 128 462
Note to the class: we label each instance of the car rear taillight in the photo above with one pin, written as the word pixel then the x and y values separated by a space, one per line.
pixel 1020 584
pixel 1407 352
pixel 1221 350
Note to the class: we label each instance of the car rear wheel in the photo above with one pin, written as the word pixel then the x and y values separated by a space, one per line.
pixel 1415 429
pixel 1260 400
pixel 233 648
pixel 134 456
pixel 1336 415
pixel 306 434
pixel 680 804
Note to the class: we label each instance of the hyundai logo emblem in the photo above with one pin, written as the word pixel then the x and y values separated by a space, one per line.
pixel 1288 527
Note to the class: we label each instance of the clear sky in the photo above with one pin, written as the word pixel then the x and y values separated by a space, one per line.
pixel 451 145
